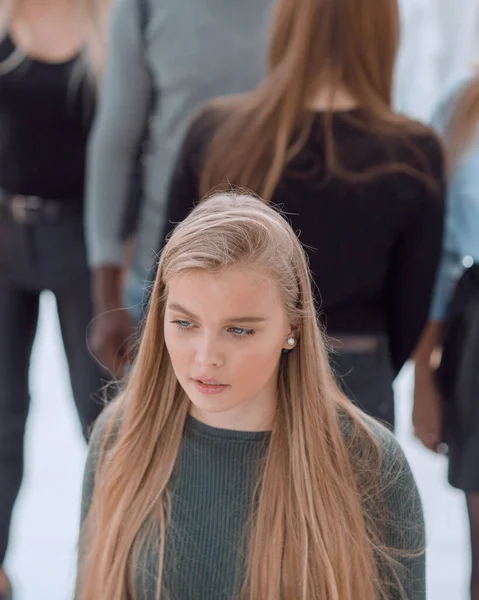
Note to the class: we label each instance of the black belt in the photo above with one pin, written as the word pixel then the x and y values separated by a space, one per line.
pixel 34 209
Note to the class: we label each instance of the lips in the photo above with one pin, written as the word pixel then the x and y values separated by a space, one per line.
pixel 209 386
pixel 208 381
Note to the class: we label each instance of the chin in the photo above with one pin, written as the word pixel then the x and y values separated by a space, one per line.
pixel 210 405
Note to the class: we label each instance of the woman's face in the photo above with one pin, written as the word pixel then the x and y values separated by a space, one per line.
pixel 225 333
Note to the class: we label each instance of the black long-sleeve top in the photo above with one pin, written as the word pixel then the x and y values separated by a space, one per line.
pixel 373 246
pixel 46 111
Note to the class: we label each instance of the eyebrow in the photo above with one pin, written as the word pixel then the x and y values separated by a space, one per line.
pixel 178 308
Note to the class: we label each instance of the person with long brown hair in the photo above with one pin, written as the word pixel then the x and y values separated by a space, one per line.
pixel 232 466
pixel 439 418
pixel 362 186
pixel 51 56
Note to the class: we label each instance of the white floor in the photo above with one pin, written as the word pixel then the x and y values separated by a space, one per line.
pixel 42 551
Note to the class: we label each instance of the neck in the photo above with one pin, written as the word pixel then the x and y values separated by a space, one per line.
pixel 37 8
pixel 243 418
pixel 328 98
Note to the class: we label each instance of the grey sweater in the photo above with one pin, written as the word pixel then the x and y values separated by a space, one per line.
pixel 212 496
pixel 192 51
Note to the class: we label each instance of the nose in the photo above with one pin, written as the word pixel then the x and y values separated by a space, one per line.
pixel 209 352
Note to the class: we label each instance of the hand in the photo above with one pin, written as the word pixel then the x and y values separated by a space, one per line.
pixel 427 414
pixel 111 340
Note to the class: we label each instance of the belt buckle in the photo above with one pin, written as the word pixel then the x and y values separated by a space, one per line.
pixel 24 206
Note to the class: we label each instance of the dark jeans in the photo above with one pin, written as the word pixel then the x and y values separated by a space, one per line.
pixel 367 379
pixel 33 258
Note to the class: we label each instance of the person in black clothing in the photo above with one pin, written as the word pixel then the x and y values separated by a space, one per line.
pixel 362 186
pixel 49 54
pixel 445 415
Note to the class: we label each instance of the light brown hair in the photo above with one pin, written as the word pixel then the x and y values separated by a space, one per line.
pixel 314 45
pixel 317 529
pixel 462 128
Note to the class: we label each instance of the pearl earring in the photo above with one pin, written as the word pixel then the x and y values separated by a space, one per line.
pixel 291 341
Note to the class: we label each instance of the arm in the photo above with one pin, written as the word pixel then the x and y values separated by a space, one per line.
pixel 404 527
pixel 406 531
pixel 414 262
pixel 97 437
pixel 427 411
pixel 112 152
pixel 460 238
pixel 426 355
pixel 102 425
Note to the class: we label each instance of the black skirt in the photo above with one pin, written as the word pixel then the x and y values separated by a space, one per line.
pixel 458 380
pixel 464 463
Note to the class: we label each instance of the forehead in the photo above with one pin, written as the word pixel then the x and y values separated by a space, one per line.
pixel 226 293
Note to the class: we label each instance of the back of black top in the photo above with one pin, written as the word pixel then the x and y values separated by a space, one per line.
pixel 373 246
pixel 46 111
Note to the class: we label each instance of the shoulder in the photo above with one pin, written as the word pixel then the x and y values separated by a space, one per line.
pixel 391 469
pixel 398 487
pixel 426 138
pixel 128 6
pixel 410 135
pixel 199 133
pixel 431 149
pixel 419 149
pixel 369 430
pixel 105 429
pixel 389 492
pixel 102 438
pixel 206 122
pixel 407 143
pixel 394 511
pixel 126 20
pixel 393 457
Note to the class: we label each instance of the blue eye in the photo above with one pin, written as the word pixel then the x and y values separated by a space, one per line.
pixel 240 332
pixel 185 325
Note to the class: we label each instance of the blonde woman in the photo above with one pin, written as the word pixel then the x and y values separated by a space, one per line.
pixel 51 53
pixel 232 466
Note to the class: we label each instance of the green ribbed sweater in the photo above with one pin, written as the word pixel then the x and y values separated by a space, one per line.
pixel 212 495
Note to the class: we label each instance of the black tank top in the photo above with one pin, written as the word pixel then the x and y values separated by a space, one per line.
pixel 46 111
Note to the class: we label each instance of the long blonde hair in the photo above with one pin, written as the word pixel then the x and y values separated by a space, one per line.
pixel 93 17
pixel 314 45
pixel 462 128
pixel 316 532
